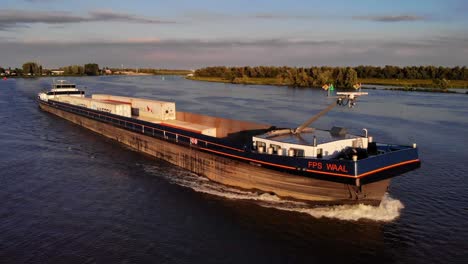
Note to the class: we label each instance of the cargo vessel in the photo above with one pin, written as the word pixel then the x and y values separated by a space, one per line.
pixel 303 163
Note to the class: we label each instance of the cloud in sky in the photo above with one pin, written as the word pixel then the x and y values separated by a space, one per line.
pixel 113 16
pixel 193 53
pixel 392 18
pixel 213 16
pixel 281 16
pixel 19 18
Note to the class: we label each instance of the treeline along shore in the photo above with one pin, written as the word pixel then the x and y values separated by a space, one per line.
pixel 33 69
pixel 342 77
pixel 409 78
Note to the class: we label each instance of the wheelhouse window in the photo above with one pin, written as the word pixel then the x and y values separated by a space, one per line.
pixel 261 146
pixel 298 152
pixel 65 86
pixel 65 92
pixel 319 153
pixel 276 148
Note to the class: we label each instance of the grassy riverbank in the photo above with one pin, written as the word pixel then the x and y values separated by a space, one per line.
pixel 408 85
pixel 150 72
pixel 244 80
pixel 413 82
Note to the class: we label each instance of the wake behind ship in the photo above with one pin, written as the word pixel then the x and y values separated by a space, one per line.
pixel 317 166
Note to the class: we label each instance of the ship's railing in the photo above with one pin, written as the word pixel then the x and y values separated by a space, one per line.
pixel 385 147
pixel 147 129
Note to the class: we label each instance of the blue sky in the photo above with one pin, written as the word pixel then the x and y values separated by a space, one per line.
pixel 194 34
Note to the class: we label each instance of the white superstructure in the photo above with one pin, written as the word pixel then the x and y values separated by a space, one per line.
pixel 61 88
pixel 313 144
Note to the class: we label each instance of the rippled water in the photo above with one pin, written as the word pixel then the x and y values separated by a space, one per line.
pixel 72 196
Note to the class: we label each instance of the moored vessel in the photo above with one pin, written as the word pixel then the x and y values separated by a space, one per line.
pixel 318 166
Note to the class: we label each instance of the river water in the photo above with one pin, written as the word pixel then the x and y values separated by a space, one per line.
pixel 69 195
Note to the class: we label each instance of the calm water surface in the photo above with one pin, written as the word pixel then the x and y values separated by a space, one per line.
pixel 69 195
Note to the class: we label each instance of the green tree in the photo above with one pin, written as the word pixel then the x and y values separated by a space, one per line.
pixel 324 77
pixel 390 71
pixel 77 70
pixel 228 75
pixel 301 78
pixel 31 68
pixel 17 71
pixel 46 71
pixel 464 73
pixel 338 76
pixel 350 77
pixel 91 69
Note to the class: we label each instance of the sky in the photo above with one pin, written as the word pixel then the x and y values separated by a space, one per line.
pixel 182 34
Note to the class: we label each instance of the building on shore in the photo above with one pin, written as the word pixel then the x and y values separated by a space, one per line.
pixel 57 72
